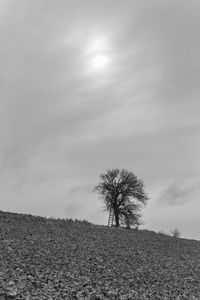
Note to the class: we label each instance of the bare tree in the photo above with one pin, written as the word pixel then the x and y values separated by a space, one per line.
pixel 123 192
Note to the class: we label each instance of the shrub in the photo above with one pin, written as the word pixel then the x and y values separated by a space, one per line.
pixel 175 233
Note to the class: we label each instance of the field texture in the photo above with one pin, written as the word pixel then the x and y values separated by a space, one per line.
pixel 64 259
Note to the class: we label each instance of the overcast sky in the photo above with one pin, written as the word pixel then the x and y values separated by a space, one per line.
pixel 90 85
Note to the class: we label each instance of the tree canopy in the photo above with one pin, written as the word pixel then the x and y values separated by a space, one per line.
pixel 123 192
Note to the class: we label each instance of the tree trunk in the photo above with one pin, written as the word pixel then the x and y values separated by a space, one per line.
pixel 116 212
pixel 117 220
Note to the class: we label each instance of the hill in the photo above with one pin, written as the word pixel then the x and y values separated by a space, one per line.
pixel 44 258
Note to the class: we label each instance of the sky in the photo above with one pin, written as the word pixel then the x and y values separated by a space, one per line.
pixel 90 85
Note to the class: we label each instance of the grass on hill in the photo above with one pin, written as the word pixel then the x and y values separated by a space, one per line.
pixel 44 258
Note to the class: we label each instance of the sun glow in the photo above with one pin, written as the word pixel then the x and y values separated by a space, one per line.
pixel 99 61
pixel 98 54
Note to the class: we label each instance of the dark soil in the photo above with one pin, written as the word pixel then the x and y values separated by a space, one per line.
pixel 63 259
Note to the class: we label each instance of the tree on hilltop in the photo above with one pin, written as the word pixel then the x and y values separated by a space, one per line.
pixel 123 193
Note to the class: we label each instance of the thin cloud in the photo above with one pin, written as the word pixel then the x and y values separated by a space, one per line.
pixel 78 190
pixel 74 210
pixel 180 192
pixel 60 126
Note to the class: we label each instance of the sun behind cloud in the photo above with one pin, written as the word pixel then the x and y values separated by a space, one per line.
pixel 98 54
pixel 99 62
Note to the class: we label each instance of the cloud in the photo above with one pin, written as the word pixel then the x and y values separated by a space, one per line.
pixel 51 97
pixel 78 190
pixel 74 210
pixel 180 192
pixel 60 126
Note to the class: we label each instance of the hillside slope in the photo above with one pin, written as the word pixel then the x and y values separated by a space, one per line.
pixel 62 259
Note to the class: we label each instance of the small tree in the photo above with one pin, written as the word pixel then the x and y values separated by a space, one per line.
pixel 123 192
pixel 176 233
